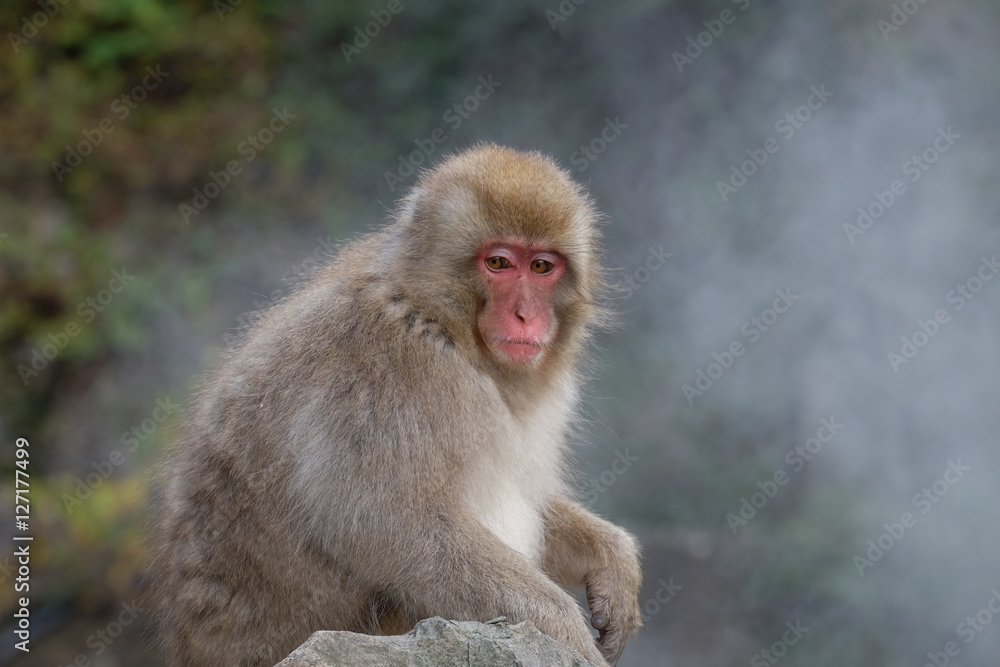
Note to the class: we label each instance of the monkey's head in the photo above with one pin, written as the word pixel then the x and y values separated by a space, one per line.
pixel 511 244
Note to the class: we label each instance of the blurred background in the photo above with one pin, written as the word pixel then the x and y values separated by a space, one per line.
pixel 799 416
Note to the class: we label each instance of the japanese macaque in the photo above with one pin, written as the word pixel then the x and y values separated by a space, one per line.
pixel 389 443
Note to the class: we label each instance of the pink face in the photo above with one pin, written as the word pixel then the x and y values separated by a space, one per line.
pixel 518 320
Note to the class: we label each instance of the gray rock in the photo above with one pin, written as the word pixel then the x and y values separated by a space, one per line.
pixel 436 642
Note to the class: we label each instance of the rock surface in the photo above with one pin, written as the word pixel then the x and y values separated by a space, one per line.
pixel 436 642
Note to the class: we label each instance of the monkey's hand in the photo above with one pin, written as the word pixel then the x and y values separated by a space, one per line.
pixel 570 628
pixel 613 595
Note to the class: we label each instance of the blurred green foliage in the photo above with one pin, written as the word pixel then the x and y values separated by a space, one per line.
pixel 78 74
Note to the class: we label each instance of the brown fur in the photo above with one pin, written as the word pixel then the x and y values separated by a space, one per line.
pixel 327 472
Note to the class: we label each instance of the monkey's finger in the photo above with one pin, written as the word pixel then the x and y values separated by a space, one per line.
pixel 600 609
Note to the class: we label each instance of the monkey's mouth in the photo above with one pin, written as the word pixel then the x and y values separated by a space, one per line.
pixel 520 350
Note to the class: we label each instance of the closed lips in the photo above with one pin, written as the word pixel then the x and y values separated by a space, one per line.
pixel 518 342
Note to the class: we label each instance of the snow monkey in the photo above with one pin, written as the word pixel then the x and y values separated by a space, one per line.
pixel 389 442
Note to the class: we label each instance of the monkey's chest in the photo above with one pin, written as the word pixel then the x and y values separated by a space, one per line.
pixel 519 472
pixel 513 515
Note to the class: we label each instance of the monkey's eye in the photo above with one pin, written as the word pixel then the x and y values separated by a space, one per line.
pixel 542 266
pixel 497 263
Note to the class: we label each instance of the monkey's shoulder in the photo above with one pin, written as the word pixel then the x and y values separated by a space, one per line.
pixel 361 339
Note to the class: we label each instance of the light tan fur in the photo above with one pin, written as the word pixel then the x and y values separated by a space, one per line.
pixel 361 462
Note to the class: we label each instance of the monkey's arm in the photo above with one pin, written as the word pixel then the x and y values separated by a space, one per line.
pixel 454 567
pixel 583 549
